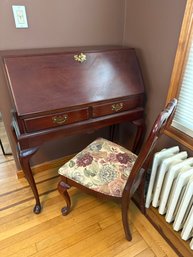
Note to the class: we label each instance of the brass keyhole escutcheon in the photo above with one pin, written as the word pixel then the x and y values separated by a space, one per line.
pixel 80 57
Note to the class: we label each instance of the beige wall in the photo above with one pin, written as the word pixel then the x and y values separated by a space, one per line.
pixel 62 23
pixel 150 26
pixel 153 27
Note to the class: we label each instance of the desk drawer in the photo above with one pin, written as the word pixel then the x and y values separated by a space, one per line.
pixel 117 106
pixel 55 120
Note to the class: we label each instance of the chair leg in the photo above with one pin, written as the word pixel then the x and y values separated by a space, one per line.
pixel 62 188
pixel 125 207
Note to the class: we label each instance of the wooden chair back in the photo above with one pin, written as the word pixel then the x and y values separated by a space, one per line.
pixel 147 148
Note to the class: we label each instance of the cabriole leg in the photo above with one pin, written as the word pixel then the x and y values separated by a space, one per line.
pixel 24 157
pixel 62 188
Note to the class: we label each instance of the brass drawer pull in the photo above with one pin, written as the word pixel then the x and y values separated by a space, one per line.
pixel 61 119
pixel 117 107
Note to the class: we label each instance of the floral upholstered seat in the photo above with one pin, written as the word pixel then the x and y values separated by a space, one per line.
pixel 102 166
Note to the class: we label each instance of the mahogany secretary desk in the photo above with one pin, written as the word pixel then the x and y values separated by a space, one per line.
pixel 67 91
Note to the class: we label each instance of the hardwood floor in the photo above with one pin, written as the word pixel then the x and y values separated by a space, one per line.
pixel 93 228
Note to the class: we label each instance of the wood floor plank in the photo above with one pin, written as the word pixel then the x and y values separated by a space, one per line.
pixel 7 167
pixel 77 242
pixel 146 253
pixel 119 246
pixel 29 250
pixel 134 250
pixel 30 220
pixel 93 228
pixel 26 226
pixel 12 183
pixel 149 233
pixel 48 237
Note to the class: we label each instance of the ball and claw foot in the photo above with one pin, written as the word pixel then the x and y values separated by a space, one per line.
pixel 65 210
pixel 37 209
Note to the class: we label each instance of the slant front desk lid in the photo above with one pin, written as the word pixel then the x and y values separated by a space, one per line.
pixel 50 82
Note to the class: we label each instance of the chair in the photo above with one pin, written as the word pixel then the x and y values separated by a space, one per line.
pixel 109 171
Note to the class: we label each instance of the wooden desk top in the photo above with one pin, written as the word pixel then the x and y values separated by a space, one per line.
pixel 44 83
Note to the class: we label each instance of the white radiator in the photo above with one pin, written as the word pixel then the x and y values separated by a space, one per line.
pixel 170 189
